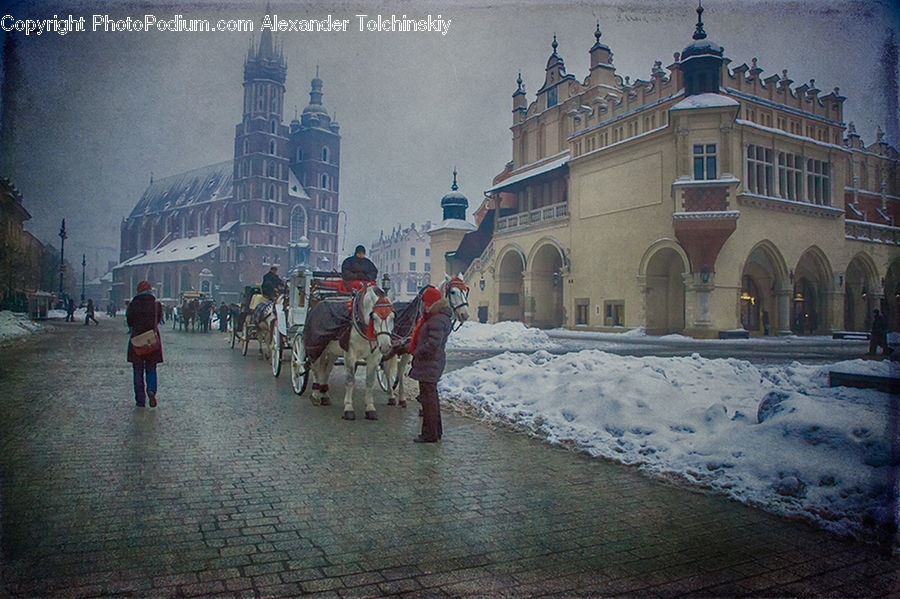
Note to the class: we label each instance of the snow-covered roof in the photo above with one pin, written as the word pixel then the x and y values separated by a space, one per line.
pixel 705 101
pixel 192 187
pixel 228 226
pixel 295 190
pixel 178 250
pixel 453 223
pixel 532 171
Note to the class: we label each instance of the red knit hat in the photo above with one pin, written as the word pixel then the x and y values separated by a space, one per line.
pixel 430 296
pixel 144 286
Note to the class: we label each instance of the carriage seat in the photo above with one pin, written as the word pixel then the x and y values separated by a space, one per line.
pixel 256 300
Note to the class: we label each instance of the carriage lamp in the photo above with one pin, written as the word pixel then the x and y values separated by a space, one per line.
pixel 386 282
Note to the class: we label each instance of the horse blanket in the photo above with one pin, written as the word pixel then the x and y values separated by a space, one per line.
pixel 327 321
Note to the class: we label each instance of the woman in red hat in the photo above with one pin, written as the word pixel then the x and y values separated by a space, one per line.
pixel 429 358
pixel 144 314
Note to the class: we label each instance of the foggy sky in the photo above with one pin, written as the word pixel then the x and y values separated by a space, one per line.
pixel 99 112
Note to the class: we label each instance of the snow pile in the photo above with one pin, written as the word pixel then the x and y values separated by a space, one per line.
pixel 508 336
pixel 777 437
pixel 16 324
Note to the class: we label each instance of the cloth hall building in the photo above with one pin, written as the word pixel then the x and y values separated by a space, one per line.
pixel 705 200
pixel 222 226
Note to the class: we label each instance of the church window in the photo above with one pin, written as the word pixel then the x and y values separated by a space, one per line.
pixel 271 194
pixel 298 224
pixel 243 214
pixel 325 154
pixel 272 146
pixel 246 146
pixel 245 169
pixel 818 182
pixel 552 97
pixel 273 127
pixel 271 169
pixel 704 161
pixel 299 154
pixel 324 181
pixel 271 238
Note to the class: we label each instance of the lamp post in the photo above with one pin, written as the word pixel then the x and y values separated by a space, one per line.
pixel 83 264
pixel 62 253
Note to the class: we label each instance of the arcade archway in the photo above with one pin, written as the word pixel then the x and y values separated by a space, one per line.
pixel 511 301
pixel 665 292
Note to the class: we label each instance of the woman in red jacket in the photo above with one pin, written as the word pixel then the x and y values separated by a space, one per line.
pixel 429 358
pixel 144 313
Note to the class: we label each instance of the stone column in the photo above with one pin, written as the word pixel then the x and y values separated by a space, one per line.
pixel 783 300
pixel 528 297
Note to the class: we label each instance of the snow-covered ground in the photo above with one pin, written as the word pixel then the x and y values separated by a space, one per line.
pixel 502 336
pixel 16 324
pixel 777 437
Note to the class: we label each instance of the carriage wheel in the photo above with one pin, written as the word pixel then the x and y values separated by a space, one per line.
pixel 276 350
pixel 245 338
pixel 382 377
pixel 299 366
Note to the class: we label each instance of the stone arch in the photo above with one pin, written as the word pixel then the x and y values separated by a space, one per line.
pixel 891 303
pixel 663 267
pixel 546 283
pixel 764 281
pixel 810 296
pixel 861 285
pixel 511 264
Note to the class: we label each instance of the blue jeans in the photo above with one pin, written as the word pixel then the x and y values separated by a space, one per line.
pixel 140 368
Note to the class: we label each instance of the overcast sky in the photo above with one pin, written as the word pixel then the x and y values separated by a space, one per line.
pixel 100 112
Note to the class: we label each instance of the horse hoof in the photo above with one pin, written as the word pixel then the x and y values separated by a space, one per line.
pixel 325 401
pixel 371 415
pixel 349 415
pixel 392 402
pixel 402 403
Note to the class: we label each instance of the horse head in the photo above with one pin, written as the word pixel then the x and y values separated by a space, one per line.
pixel 378 313
pixel 457 293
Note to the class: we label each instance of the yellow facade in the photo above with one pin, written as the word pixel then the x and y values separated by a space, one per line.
pixel 742 207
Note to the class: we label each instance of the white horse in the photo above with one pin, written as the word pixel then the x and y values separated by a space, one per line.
pixel 457 293
pixel 372 317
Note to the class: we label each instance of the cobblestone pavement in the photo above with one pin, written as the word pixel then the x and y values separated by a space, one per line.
pixel 235 487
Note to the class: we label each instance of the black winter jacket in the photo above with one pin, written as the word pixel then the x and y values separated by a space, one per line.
pixel 429 355
pixel 358 269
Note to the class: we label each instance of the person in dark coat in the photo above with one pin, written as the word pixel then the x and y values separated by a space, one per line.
pixel 429 358
pixel 143 314
pixel 89 313
pixel 223 317
pixel 271 283
pixel 70 310
pixel 359 268
pixel 878 336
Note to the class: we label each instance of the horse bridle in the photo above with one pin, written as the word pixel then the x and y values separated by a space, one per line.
pixel 382 306
pixel 457 284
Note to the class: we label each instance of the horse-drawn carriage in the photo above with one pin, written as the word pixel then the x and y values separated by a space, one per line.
pixel 192 311
pixel 245 324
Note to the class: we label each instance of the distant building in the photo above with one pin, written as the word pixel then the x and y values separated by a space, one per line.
pixel 220 227
pixel 706 200
pixel 405 256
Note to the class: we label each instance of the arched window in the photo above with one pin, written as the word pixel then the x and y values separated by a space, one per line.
pixel 271 195
pixel 324 181
pixel 270 215
pixel 325 154
pixel 271 169
pixel 245 168
pixel 299 154
pixel 271 238
pixel 246 146
pixel 273 125
pixel 298 223
pixel 272 142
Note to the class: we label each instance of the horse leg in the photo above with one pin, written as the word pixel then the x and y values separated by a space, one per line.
pixel 349 382
pixel 390 368
pixel 371 364
pixel 319 374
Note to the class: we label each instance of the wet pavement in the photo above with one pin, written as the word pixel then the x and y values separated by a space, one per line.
pixel 235 487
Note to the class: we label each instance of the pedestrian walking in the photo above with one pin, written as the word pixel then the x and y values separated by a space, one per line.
pixel 427 346
pixel 878 336
pixel 144 314
pixel 89 313
pixel 223 317
pixel 70 310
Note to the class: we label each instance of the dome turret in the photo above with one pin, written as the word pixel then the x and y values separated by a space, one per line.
pixel 454 204
pixel 701 62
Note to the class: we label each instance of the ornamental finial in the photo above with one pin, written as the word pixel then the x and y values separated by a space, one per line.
pixel 699 34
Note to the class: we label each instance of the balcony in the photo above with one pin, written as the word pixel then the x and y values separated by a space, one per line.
pixel 523 220
pixel 871 232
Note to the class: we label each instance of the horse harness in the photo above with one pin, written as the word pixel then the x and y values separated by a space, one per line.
pixel 382 308
pixel 456 283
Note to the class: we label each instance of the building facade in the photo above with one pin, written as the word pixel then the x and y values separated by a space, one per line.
pixel 220 227
pixel 405 256
pixel 704 200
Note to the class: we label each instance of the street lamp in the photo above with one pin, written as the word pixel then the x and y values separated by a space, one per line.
pixel 83 264
pixel 386 282
pixel 62 253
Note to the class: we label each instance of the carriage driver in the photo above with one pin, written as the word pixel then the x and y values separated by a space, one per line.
pixel 358 268
pixel 271 283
